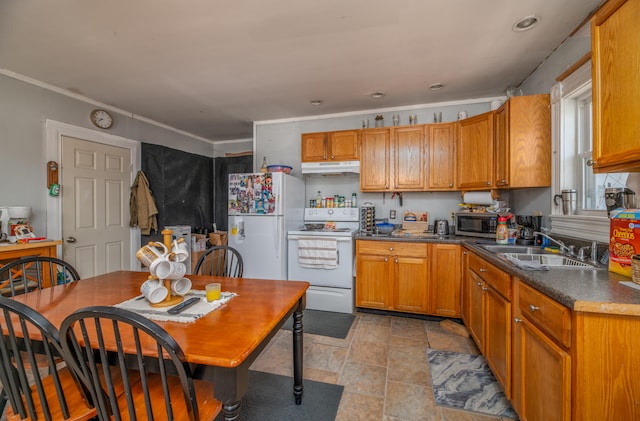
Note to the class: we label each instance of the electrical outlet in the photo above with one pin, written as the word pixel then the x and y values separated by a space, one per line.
pixel 452 215
pixel 392 214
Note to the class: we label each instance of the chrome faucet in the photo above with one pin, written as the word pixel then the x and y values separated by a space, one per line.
pixel 567 249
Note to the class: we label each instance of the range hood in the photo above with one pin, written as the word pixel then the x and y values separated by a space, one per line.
pixel 331 167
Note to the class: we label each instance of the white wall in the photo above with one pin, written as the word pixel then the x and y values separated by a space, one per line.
pixel 24 108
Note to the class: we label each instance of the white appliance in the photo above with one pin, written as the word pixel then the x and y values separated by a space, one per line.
pixel 332 285
pixel 262 208
pixel 331 167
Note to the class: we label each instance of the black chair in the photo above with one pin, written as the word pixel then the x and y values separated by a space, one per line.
pixel 157 382
pixel 220 261
pixel 56 395
pixel 34 272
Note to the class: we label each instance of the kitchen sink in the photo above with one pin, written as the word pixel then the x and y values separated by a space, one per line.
pixel 515 249
pixel 549 259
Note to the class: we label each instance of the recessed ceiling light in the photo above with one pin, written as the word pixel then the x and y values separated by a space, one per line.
pixel 316 102
pixel 436 86
pixel 526 23
pixel 377 95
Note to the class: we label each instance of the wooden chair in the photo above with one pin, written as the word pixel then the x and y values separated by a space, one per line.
pixel 220 261
pixel 163 387
pixel 57 395
pixel 34 272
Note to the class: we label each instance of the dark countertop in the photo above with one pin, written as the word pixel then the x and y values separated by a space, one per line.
pixel 587 290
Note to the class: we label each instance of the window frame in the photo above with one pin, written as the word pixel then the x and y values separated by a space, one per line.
pixel 590 225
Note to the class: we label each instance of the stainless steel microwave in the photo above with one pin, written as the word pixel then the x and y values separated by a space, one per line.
pixel 476 224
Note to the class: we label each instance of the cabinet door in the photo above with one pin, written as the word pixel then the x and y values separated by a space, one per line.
pixel 542 380
pixel 441 141
pixel 502 145
pixel 373 281
pixel 464 293
pixel 528 150
pixel 474 150
pixel 410 284
pixel 476 308
pixel 375 160
pixel 444 280
pixel 497 338
pixel 615 45
pixel 314 147
pixel 343 145
pixel 409 158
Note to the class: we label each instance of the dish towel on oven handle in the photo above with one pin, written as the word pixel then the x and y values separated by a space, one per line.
pixel 314 253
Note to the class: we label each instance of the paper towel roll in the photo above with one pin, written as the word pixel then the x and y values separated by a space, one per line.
pixel 478 198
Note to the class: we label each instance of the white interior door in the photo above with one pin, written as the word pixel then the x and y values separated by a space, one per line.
pixel 95 190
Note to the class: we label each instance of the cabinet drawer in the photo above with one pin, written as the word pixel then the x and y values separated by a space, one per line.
pixel 499 280
pixel 549 315
pixel 392 248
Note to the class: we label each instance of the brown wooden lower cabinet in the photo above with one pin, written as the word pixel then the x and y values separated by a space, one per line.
pixel 542 376
pixel 392 276
pixel 409 277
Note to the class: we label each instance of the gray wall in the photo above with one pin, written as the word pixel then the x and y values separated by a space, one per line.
pixel 24 108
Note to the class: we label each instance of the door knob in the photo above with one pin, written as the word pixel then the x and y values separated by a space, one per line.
pixel 71 239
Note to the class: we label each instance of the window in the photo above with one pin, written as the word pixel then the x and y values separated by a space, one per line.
pixel 572 146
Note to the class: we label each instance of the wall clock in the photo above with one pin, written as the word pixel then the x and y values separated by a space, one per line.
pixel 101 119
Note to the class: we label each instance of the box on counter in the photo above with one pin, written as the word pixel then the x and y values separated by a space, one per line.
pixel 415 221
pixel 624 240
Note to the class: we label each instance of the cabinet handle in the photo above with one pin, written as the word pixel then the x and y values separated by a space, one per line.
pixel 390 248
pixel 517 320
pixel 396 260
pixel 465 253
pixel 333 156
pixel 503 181
pixel 591 162
pixel 533 308
pixel 479 284
pixel 324 156
pixel 386 259
pixel 386 186
pixel 484 288
pixel 488 183
pixel 482 270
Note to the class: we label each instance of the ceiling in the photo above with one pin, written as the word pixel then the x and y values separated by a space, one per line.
pixel 211 67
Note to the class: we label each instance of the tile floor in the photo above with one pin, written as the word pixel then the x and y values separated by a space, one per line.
pixel 382 364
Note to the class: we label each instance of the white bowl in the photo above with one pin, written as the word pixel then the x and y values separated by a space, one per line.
pixel 19 212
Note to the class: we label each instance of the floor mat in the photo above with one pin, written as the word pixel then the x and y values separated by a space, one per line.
pixel 465 381
pixel 324 323
pixel 270 398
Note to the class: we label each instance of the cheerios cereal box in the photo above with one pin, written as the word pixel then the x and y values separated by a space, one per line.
pixel 624 240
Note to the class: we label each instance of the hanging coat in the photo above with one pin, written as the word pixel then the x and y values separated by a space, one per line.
pixel 142 206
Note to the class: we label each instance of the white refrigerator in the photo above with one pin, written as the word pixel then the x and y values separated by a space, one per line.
pixel 262 208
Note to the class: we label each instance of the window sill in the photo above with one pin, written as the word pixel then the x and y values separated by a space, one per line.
pixel 585 227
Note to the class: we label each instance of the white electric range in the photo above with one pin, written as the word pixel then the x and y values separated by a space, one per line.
pixel 332 280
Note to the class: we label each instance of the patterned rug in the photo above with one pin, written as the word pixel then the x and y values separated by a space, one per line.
pixel 464 381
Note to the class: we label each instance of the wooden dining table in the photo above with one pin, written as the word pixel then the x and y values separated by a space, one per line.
pixel 220 345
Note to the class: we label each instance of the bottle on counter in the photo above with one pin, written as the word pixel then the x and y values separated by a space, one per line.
pixel 319 200
pixel 354 200
pixel 502 232
pixel 264 165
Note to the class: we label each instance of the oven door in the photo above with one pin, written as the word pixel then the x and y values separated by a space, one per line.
pixel 340 277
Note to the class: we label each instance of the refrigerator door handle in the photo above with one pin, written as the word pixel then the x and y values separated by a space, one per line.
pixel 279 236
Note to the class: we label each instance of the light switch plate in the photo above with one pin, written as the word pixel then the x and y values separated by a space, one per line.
pixel 392 214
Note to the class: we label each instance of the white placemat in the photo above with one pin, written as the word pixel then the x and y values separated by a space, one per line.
pixel 631 285
pixel 141 306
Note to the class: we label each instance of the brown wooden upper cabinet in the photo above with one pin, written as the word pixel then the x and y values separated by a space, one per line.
pixel 441 147
pixel 393 159
pixel 523 142
pixel 474 152
pixel 615 45
pixel 331 146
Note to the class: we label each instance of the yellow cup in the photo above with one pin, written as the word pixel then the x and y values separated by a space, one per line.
pixel 213 292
